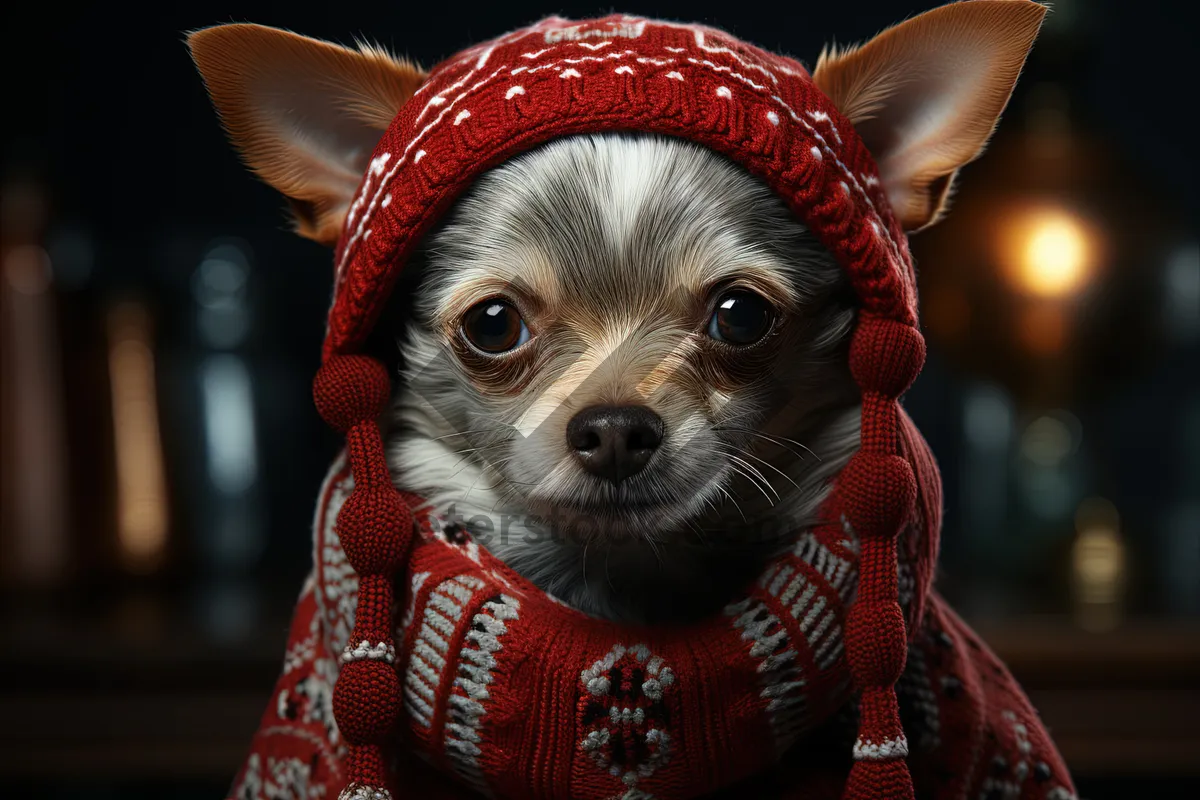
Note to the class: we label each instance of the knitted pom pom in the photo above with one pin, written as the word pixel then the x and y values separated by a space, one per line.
pixel 350 389
pixel 879 491
pixel 366 701
pixel 375 527
pixel 886 355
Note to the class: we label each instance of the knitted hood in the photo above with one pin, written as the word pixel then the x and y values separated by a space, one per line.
pixel 437 649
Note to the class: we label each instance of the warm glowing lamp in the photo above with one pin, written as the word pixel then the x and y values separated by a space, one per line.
pixel 1051 252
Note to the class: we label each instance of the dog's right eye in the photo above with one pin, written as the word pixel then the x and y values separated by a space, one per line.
pixel 494 326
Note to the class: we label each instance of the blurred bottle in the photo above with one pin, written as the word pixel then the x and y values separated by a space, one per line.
pixel 143 522
pixel 1179 547
pixel 34 491
pixel 228 500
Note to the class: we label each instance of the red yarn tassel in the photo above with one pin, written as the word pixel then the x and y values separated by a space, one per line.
pixel 878 493
pixel 375 528
pixel 879 780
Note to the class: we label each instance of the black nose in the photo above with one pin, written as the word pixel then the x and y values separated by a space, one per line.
pixel 614 442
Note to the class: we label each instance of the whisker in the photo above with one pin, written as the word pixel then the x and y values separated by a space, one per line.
pixel 465 433
pixel 753 482
pixel 586 544
pixel 757 474
pixel 725 492
pixel 777 440
pixel 448 454
pixel 475 482
pixel 654 548
pixel 607 572
pixel 484 464
pixel 783 441
pixel 772 466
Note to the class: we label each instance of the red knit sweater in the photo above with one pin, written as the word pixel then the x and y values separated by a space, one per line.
pixel 421 666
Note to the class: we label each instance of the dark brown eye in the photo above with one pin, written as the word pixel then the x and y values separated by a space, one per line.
pixel 494 326
pixel 740 318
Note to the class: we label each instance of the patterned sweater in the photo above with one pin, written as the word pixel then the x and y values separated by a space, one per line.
pixel 419 665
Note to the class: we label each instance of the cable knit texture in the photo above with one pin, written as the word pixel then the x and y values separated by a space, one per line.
pixel 419 665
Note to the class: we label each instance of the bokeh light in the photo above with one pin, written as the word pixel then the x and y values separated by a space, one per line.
pixel 1098 565
pixel 141 481
pixel 1051 252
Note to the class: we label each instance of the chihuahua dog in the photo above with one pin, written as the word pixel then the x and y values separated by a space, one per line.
pixel 621 360
pixel 626 373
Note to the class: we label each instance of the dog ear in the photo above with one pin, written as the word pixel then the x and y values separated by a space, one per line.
pixel 926 94
pixel 305 114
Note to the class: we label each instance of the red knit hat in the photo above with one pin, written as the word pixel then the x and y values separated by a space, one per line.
pixel 498 683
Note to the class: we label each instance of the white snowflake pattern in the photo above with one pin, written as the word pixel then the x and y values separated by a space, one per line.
pixel 283 779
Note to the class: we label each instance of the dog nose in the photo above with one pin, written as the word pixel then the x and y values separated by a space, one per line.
pixel 614 442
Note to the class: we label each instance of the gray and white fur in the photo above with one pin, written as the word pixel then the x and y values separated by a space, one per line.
pixel 613 246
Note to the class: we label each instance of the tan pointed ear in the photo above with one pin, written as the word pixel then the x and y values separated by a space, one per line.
pixel 305 114
pixel 926 94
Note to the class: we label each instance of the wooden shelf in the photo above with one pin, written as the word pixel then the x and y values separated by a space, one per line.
pixel 1120 703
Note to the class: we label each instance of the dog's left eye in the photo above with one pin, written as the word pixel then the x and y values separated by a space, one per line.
pixel 495 326
pixel 740 318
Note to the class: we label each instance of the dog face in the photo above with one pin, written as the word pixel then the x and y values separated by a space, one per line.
pixel 613 331
pixel 623 330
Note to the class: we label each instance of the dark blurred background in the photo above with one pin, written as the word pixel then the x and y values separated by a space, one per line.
pixel 160 328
